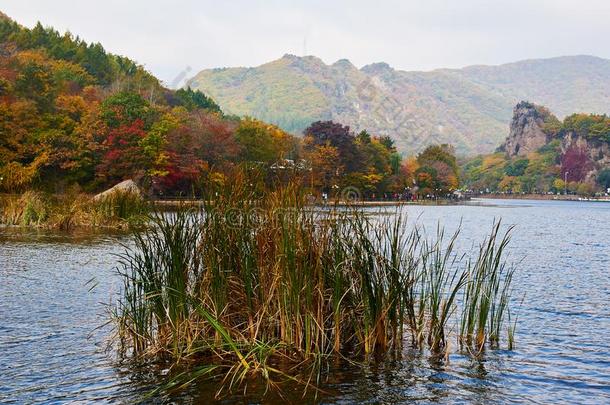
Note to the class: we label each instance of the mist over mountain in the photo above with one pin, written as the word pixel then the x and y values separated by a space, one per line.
pixel 470 108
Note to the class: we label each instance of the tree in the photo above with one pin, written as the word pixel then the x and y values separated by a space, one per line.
pixel 388 143
pixel 408 171
pixel 324 168
pixel 69 78
pixel 214 138
pixel 196 100
pixel 516 168
pixel 510 184
pixel 363 137
pixel 395 162
pixel 123 156
pixel 124 108
pixel 559 185
pixel 34 80
pixel 261 142
pixel 426 179
pixel 95 60
pixel 338 136
pixel 375 157
pixel 492 168
pixel 591 126
pixel 183 166
pixel 155 144
pixel 439 162
pixel 603 179
pixel 575 164
pixel 586 189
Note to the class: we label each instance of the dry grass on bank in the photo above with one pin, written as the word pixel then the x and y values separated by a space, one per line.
pixel 69 211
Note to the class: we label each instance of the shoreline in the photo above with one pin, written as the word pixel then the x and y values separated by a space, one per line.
pixel 340 203
pixel 113 223
pixel 542 197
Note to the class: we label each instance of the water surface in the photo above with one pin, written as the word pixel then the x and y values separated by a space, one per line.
pixel 54 291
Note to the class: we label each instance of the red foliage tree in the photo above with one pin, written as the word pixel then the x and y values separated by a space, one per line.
pixel 183 166
pixel 576 163
pixel 203 141
pixel 123 156
pixel 214 138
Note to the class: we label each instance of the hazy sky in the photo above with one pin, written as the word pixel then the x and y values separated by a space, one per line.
pixel 175 37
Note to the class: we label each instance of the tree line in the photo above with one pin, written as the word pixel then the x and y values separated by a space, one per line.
pixel 73 115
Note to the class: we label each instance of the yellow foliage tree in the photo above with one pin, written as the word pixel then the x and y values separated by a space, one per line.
pixel 510 183
pixel 324 164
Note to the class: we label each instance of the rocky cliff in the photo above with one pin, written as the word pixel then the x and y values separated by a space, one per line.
pixel 527 129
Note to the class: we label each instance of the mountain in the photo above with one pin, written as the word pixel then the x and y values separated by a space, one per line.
pixel 469 108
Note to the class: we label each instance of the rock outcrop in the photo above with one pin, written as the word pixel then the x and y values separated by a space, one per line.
pixel 126 186
pixel 527 133
pixel 533 127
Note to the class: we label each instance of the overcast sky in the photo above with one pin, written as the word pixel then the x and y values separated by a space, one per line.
pixel 172 38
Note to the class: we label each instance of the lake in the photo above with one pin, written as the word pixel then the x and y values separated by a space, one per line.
pixel 55 289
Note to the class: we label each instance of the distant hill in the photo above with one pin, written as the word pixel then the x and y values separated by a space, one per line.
pixel 470 108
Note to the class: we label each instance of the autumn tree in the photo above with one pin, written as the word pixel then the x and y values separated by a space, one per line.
pixel 440 165
pixel 262 142
pixel 324 167
pixel 214 138
pixel 329 133
pixel 575 164
pixel 123 154
pixel 408 171
pixel 510 184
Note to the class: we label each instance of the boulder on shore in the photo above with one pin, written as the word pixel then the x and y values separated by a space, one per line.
pixel 126 186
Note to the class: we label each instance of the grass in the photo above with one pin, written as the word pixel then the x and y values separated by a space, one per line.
pixel 252 281
pixel 72 210
pixel 487 294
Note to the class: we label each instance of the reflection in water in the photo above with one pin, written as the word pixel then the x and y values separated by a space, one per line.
pixel 54 289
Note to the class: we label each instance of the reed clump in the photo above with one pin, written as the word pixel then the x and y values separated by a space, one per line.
pixel 72 210
pixel 251 281
pixel 29 209
pixel 121 205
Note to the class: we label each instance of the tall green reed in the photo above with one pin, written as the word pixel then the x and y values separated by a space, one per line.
pixel 487 293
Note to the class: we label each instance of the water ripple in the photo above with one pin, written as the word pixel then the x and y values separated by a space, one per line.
pixel 52 350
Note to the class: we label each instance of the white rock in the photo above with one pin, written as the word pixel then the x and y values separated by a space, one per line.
pixel 126 186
